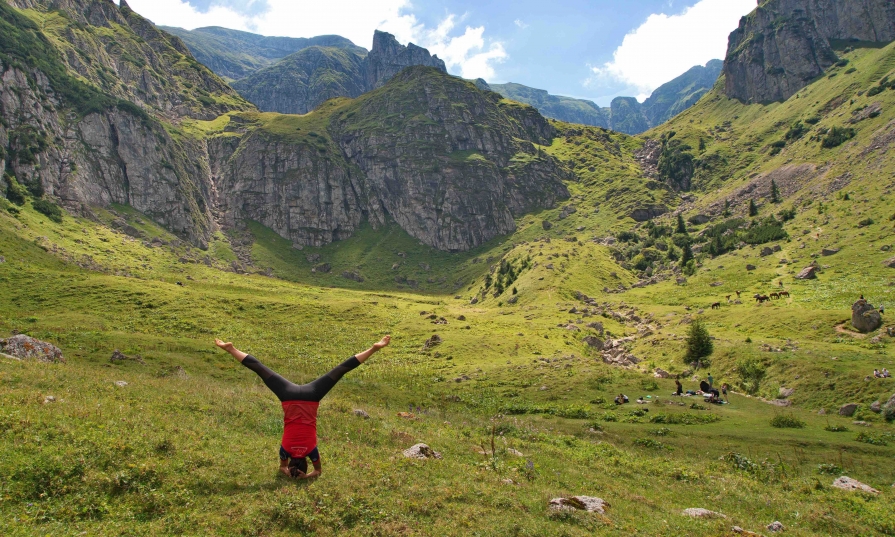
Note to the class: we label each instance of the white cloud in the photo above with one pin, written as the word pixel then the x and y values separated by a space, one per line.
pixel 465 54
pixel 664 46
pixel 520 23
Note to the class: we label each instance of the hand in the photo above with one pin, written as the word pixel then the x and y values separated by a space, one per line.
pixel 313 474
pixel 382 343
pixel 226 346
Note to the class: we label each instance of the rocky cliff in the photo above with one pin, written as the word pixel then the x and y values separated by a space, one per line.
pixel 452 165
pixel 233 54
pixel 784 44
pixel 300 82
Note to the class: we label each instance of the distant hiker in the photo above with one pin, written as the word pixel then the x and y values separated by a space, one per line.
pixel 877 374
pixel 886 373
pixel 621 399
pixel 882 309
pixel 711 381
pixel 679 386
pixel 300 404
pixel 724 389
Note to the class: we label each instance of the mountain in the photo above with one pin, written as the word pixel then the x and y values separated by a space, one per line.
pixel 554 106
pixel 625 114
pixel 452 165
pixel 300 82
pixel 783 45
pixel 233 54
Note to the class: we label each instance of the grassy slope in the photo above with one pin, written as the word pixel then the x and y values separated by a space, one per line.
pixel 188 446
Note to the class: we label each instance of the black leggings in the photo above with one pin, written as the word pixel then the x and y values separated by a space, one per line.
pixel 288 391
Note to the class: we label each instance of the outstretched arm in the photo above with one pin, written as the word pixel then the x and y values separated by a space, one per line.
pixel 362 357
pixel 238 354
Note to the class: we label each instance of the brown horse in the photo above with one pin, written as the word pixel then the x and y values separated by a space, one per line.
pixel 784 294
pixel 716 306
pixel 738 294
pixel 762 298
pixel 728 298
pixel 775 296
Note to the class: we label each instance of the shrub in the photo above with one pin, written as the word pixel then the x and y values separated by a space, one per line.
pixel 15 192
pixel 751 372
pixel 796 131
pixel 813 120
pixel 649 385
pixel 649 443
pixel 837 136
pixel 48 208
pixel 865 222
pixel 765 231
pixel 784 421
pixel 787 214
pixel 868 438
pixel 875 90
pixel 829 469
pixel 741 462
pixel 836 428
pixel 684 418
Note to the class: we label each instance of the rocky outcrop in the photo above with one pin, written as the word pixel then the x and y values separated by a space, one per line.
pixel 387 58
pixel 847 483
pixel 865 317
pixel 23 347
pixel 784 44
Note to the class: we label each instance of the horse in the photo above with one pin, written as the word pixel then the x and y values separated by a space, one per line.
pixel 716 306
pixel 784 294
pixel 738 294
pixel 775 296
pixel 728 298
pixel 762 298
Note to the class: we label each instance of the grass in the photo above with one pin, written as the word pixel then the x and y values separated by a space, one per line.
pixel 188 445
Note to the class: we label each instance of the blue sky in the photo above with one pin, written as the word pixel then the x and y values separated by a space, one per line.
pixel 594 49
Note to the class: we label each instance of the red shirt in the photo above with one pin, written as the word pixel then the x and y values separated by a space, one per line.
pixel 299 427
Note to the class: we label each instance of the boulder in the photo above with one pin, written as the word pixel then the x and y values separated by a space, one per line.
pixel 661 374
pixel 889 262
pixel 594 342
pixel 596 326
pixel 808 273
pixel 698 512
pixel 352 275
pixel 642 214
pixel 848 410
pixel 120 383
pixel 775 526
pixel 847 483
pixel 25 348
pixel 323 268
pixel 118 356
pixel 49 399
pixel 785 392
pixel 751 267
pixel 766 252
pixel 865 317
pixel 583 503
pixel 876 406
pixel 827 252
pixel 546 225
pixel 433 341
pixel 698 219
pixel 421 452
pixel 361 413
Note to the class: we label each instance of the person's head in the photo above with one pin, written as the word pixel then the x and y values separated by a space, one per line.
pixel 298 464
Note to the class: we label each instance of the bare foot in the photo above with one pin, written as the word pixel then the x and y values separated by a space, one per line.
pixel 226 346
pixel 382 343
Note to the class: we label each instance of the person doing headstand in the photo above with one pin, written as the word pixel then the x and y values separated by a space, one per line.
pixel 300 403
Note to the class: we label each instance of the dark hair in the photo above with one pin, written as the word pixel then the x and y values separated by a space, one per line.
pixel 297 465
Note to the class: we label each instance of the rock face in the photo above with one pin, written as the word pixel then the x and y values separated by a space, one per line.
pixel 28 348
pixel 302 81
pixel 865 317
pixel 784 44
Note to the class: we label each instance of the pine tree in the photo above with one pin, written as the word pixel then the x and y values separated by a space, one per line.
pixel 753 210
pixel 681 226
pixel 775 192
pixel 726 208
pixel 699 343
pixel 687 255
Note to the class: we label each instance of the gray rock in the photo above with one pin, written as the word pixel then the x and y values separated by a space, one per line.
pixel 822 412
pixel 889 262
pixel 361 413
pixel 785 392
pixel 699 219
pixel 750 267
pixel 848 410
pixel 2 260
pixel 323 268
pixel 643 214
pixel 876 406
pixel 775 526
pixel 808 273
pixel 594 342
pixel 872 111
pixel 766 252
pixel 49 399
pixel 596 326
pixel 120 383
pixel 827 252
pixel 699 512
pixel 433 341
pixel 847 483
pixel 865 317
pixel 352 275
pixel 583 503
pixel 23 347
pixel 421 452
pixel 546 225
pixel 118 356
pixel 661 374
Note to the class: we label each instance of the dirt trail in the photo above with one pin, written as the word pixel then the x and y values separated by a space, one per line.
pixel 843 330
